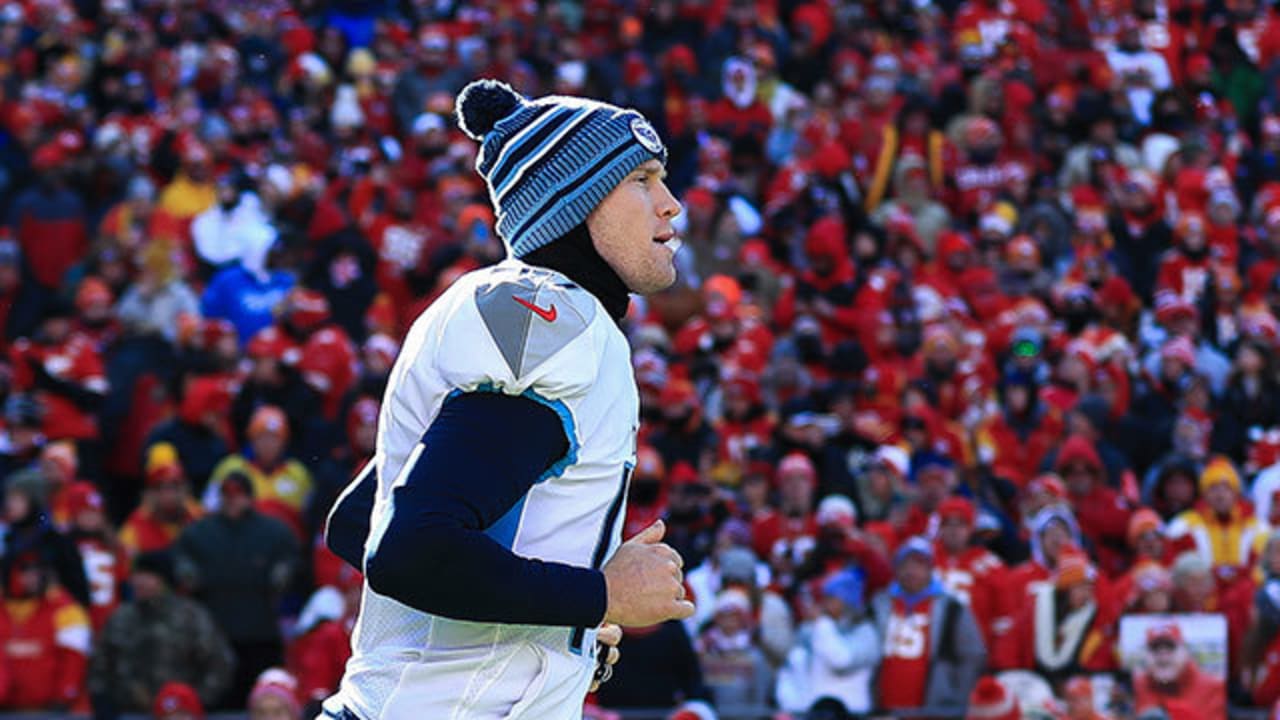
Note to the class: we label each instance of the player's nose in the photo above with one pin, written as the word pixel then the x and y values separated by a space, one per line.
pixel 665 204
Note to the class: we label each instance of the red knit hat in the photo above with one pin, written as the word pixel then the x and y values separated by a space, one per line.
pixel 1078 449
pixel 991 701
pixel 269 342
pixel 957 507
pixel 176 697
pixel 81 496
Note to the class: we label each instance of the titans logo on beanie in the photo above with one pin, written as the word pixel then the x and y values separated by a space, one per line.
pixel 549 162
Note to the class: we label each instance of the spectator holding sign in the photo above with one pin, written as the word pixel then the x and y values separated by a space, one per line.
pixel 1170 679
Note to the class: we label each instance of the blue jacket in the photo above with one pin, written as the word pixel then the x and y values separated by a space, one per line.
pixel 244 300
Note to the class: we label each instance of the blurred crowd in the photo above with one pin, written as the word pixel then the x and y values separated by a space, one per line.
pixel 973 350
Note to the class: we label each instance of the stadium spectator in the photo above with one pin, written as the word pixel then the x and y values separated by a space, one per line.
pixel 1222 524
pixel 167 506
pixel 21 300
pixel 733 667
pixel 933 651
pixel 154 641
pixel 48 219
pixel 196 434
pixel 837 649
pixel 1170 679
pixel 158 297
pixel 30 531
pixel 1059 632
pixel 281 484
pixel 275 379
pixel 659 669
pixel 317 654
pixel 1102 513
pixel 970 573
pixel 1078 694
pixel 275 696
pixel 106 564
pixel 236 562
pixel 1053 533
pixel 48 636
pixel 66 375
pixel 1259 655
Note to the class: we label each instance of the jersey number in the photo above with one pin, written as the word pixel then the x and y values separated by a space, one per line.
pixel 906 636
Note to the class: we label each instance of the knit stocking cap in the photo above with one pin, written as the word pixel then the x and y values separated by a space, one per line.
pixel 549 162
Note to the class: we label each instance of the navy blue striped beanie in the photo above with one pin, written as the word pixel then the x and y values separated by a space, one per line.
pixel 549 162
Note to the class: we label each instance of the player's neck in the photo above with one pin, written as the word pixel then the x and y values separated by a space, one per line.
pixel 575 256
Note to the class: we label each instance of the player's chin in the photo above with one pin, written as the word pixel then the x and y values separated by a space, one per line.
pixel 656 278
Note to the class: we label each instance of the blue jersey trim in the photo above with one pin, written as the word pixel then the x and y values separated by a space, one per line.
pixel 504 530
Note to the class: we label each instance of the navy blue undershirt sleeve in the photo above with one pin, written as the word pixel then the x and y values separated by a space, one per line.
pixel 348 524
pixel 480 457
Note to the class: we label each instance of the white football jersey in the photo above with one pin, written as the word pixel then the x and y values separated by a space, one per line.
pixel 520 330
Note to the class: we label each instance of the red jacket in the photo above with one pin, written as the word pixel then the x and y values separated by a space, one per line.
pixel 318 658
pixel 144 532
pixel 329 365
pixel 1184 276
pixel 1195 696
pixel 838 288
pixel 975 576
pixel 74 361
pixel 1104 519
pixel 1007 447
pixel 46 649
pixel 1015 594
pixel 106 567
pixel 768 529
pixel 50 227
pixel 1266 676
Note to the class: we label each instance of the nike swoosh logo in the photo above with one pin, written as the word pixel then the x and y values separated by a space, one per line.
pixel 548 314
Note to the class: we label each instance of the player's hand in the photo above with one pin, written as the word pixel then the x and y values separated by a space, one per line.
pixel 607 639
pixel 645 581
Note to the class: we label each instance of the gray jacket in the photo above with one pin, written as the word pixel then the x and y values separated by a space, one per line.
pixel 955 662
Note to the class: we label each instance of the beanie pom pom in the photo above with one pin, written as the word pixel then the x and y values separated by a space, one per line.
pixel 482 103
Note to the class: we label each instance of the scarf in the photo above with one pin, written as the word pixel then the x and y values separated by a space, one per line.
pixel 1050 653
pixel 575 256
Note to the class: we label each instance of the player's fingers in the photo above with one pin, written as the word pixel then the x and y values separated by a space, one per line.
pixel 671 553
pixel 612 657
pixel 609 634
pixel 680 592
pixel 652 534
pixel 681 610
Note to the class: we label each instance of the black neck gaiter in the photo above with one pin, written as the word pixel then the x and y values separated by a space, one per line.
pixel 575 256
